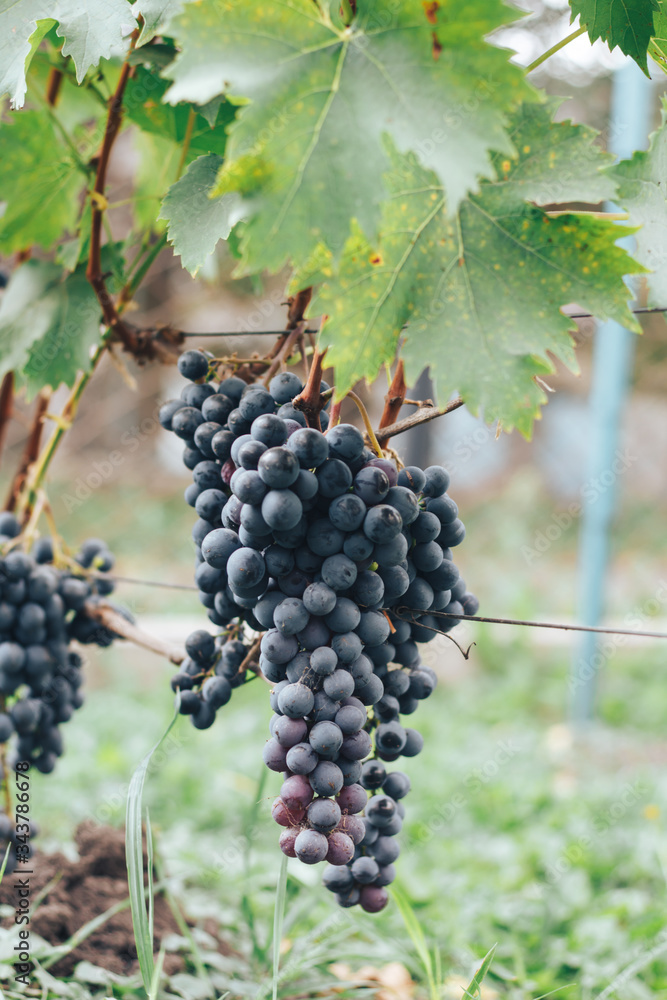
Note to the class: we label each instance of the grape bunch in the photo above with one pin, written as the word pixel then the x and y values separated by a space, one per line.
pixel 344 563
pixel 209 673
pixel 42 609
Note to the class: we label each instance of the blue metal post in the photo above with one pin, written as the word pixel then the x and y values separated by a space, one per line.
pixel 612 363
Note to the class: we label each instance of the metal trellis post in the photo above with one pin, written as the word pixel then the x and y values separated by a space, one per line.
pixel 612 363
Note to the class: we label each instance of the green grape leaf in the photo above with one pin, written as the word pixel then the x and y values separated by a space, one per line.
pixel 158 161
pixel 626 23
pixel 480 291
pixel 641 191
pixel 559 161
pixel 163 129
pixel 319 97
pixel 195 223
pixel 17 48
pixel 144 108
pixel 658 47
pixel 156 15
pixel 39 181
pixel 91 31
pixel 48 325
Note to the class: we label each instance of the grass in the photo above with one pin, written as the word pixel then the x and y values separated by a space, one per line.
pixel 516 832
pixel 519 833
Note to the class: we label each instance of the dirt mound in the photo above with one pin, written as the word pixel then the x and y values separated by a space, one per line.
pixel 85 889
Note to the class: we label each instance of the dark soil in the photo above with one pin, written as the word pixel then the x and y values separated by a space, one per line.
pixel 85 889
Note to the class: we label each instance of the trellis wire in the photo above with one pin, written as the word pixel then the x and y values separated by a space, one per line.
pixel 414 611
pixel 639 311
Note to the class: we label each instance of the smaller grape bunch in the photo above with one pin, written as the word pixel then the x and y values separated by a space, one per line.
pixel 342 562
pixel 209 673
pixel 42 616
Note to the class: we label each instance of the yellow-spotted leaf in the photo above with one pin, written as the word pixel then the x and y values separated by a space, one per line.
pixel 476 294
pixel 320 96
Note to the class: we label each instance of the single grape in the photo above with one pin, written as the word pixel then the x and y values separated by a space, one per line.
pixel 323 815
pixel 193 365
pixel 345 441
pixel 275 755
pixel 326 738
pixel 311 847
pixel 302 759
pixel 341 848
pixel 326 778
pixel 337 879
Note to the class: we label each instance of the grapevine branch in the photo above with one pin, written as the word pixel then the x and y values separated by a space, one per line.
pixel 6 406
pixel 94 269
pixel 53 85
pixel 422 416
pixel 286 344
pixel 144 345
pixel 107 615
pixel 297 305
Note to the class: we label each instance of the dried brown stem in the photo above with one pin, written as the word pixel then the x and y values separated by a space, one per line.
pixel 297 305
pixel 248 662
pixel 106 615
pixel 30 450
pixel 6 406
pixel 422 416
pixel 395 397
pixel 284 351
pixel 310 401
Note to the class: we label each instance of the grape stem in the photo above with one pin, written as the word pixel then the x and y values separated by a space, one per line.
pixel 334 417
pixel 395 397
pixel 422 416
pixel 248 664
pixel 311 401
pixel 367 423
pixel 556 48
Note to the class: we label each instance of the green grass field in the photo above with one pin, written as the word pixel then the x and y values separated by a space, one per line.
pixel 516 832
